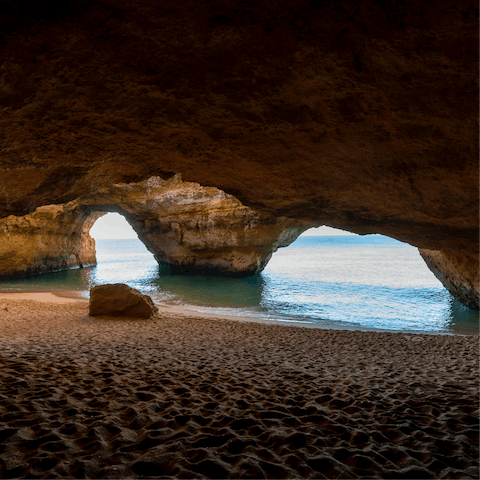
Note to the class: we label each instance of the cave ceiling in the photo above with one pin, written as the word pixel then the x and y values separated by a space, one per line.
pixel 357 114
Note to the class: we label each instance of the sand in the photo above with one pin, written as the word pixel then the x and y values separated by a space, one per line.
pixel 49 297
pixel 194 397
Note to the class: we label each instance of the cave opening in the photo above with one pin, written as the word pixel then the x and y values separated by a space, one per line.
pixel 112 226
pixel 361 281
pixel 121 256
pixel 327 276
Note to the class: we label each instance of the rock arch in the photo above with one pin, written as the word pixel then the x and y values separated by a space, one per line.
pixel 189 228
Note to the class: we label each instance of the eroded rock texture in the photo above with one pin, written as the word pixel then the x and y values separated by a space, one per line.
pixel 195 229
pixel 458 273
pixel 120 300
pixel 189 228
pixel 50 239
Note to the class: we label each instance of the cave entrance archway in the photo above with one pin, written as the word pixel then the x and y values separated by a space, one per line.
pixel 347 279
pixel 360 281
pixel 121 256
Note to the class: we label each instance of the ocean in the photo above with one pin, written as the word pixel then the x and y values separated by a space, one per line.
pixel 351 282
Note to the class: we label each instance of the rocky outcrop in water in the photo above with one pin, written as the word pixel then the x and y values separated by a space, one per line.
pixel 190 229
pixel 458 274
pixel 199 230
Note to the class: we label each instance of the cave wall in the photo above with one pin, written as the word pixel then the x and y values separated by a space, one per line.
pixel 359 115
pixel 224 239
pixel 194 229
pixel 189 228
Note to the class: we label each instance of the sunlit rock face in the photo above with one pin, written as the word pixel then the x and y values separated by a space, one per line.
pixel 458 273
pixel 201 230
pixel 189 228
pixel 50 239
pixel 194 229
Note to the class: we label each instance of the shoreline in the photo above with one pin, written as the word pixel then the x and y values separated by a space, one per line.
pixel 72 296
pixel 45 297
pixel 181 396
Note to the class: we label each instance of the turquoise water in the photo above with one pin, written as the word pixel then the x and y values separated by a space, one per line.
pixel 344 281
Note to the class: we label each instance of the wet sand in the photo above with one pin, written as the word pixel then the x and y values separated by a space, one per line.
pixel 49 297
pixel 179 396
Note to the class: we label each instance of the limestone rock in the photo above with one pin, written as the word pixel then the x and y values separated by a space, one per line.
pixel 199 230
pixel 189 228
pixel 119 300
pixel 458 273
pixel 50 239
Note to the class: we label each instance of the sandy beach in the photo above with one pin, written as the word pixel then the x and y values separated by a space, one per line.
pixel 179 396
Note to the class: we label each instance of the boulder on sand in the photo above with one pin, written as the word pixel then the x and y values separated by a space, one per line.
pixel 120 300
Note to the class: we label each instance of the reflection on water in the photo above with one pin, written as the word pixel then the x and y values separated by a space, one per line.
pixel 76 279
pixel 365 282
pixel 213 291
pixel 461 318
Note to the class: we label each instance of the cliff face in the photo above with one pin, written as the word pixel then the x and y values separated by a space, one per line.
pixel 458 273
pixel 50 239
pixel 189 228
